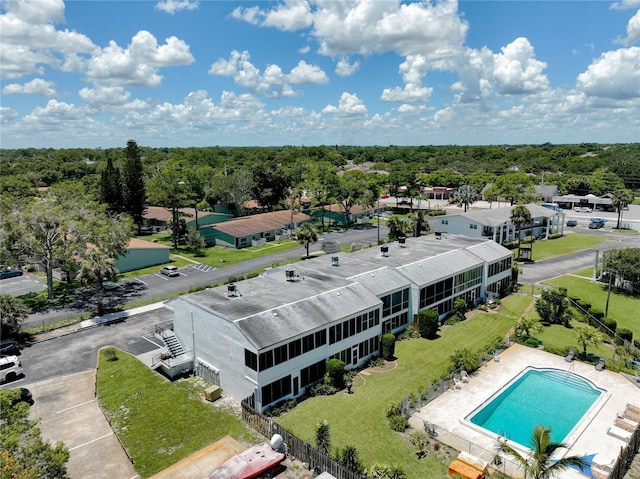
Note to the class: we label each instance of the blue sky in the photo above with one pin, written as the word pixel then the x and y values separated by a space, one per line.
pixel 180 73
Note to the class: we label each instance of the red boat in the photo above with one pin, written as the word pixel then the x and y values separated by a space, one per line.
pixel 258 461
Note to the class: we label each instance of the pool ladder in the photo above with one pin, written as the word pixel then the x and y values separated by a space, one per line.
pixel 570 371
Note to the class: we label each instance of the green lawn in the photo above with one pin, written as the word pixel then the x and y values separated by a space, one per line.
pixel 622 308
pixel 159 422
pixel 359 418
pixel 570 243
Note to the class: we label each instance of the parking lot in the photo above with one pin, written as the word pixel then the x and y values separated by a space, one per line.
pixel 69 412
pixel 21 285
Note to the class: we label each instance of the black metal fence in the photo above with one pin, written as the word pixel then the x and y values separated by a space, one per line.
pixel 296 448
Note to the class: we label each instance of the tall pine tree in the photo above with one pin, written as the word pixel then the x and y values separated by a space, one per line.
pixel 111 188
pixel 134 186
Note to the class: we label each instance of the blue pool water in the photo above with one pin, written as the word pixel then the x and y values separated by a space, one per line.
pixel 550 397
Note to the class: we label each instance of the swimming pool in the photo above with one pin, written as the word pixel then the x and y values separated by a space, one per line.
pixel 551 397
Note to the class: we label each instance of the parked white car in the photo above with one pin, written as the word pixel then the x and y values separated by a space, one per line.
pixel 170 271
pixel 10 368
pixel 582 209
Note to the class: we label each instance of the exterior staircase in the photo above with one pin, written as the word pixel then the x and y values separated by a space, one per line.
pixel 172 343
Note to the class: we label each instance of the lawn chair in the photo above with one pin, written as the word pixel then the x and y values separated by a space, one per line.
pixel 457 383
pixel 430 429
pixel 600 365
pixel 464 376
pixel 496 356
pixel 569 357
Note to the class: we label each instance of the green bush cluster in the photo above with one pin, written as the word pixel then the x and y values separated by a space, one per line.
pixel 281 407
pixel 398 423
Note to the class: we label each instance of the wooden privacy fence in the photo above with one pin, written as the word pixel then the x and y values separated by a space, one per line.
pixel 628 454
pixel 296 448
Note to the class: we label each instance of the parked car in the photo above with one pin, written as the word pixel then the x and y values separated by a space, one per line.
pixel 585 209
pixel 10 273
pixel 598 220
pixel 595 226
pixel 170 271
pixel 572 223
pixel 9 347
pixel 10 368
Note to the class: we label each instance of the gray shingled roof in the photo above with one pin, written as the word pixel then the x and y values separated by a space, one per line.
pixel 499 216
pixel 277 325
pixel 489 251
pixel 441 266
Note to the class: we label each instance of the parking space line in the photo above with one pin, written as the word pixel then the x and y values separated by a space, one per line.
pixel 161 276
pixel 77 405
pixel 155 344
pixel 140 281
pixel 89 442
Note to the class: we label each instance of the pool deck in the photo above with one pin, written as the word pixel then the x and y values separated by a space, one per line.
pixel 448 411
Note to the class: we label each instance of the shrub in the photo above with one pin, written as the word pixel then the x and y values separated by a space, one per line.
pixel 394 408
pixel 597 313
pixel 374 362
pixel 335 372
pixel 398 423
pixel 322 389
pixel 465 359
pixel 388 344
pixel 625 334
pixel 610 326
pixel 428 323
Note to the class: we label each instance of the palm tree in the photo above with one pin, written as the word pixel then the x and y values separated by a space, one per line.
pixel 397 227
pixel 520 216
pixel 306 235
pixel 588 336
pixel 465 196
pixel 620 199
pixel 539 463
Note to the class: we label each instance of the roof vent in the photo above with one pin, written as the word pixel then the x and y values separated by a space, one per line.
pixel 401 241
pixel 384 250
pixel 438 235
pixel 335 261
pixel 291 274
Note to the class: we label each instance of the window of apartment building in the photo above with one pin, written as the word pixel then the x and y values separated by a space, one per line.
pixel 352 326
pixel 295 348
pixel 280 354
pixel 250 359
pixel 321 338
pixel 468 279
pixel 370 346
pixel 395 302
pixel 444 222
pixel 389 325
pixel 499 266
pixel 435 292
pixel 313 373
pixel 276 390
pixel 473 227
pixel 266 360
pixel 308 343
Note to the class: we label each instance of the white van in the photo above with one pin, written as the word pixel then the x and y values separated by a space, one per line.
pixel 10 368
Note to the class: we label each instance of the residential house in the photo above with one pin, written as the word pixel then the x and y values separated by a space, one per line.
pixel 495 223
pixel 158 218
pixel 142 254
pixel 253 230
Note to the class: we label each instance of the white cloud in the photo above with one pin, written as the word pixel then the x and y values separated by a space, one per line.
pixel 273 82
pixel 304 50
pixel 173 6
pixel 138 64
pixel 110 98
pixel 345 69
pixel 37 86
pixel 30 40
pixel 288 16
pixel 434 30
pixel 8 115
pixel 516 69
pixel 413 69
pixel 625 4
pixel 633 31
pixel 614 75
pixel 349 105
